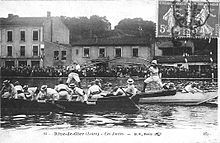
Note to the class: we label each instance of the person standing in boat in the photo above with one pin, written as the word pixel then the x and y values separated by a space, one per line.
pixel 63 91
pixel 74 70
pixel 76 91
pixel 8 90
pixel 154 75
pixel 191 88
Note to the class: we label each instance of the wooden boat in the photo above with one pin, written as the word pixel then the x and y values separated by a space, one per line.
pixel 157 93
pixel 178 99
pixel 111 103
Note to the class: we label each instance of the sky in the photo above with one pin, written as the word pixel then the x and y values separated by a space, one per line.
pixel 114 10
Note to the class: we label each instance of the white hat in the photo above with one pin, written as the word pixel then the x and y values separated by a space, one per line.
pixel 72 85
pixel 43 87
pixel 130 81
pixel 6 81
pixel 154 62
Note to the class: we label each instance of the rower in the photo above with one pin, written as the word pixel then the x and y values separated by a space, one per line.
pixel 192 88
pixel 81 96
pixel 169 86
pixel 109 88
pixel 74 70
pixel 19 91
pixel 29 94
pixel 94 90
pixel 129 90
pixel 63 91
pixel 8 90
pixel 47 93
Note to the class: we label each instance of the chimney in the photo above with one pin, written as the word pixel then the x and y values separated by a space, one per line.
pixel 48 14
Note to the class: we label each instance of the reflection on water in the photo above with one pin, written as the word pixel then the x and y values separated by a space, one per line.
pixel 149 116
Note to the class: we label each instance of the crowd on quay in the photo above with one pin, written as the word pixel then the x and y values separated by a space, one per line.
pixel 72 87
pixel 100 71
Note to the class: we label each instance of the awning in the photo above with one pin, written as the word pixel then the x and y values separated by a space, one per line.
pixel 175 44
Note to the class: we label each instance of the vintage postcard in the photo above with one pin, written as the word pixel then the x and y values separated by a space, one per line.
pixel 109 71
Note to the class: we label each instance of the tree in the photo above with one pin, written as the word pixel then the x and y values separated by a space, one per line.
pixel 137 27
pixel 83 27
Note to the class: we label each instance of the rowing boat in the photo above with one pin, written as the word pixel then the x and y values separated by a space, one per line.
pixel 157 93
pixel 110 103
pixel 154 93
pixel 178 99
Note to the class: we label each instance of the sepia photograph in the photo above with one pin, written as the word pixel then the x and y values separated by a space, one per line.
pixel 109 71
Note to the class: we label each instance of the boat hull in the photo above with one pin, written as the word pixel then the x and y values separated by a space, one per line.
pixel 19 106
pixel 157 93
pixel 179 99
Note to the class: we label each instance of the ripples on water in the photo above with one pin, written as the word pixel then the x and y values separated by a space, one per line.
pixel 149 116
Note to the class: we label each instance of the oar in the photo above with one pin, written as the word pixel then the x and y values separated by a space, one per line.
pixel 59 106
pixel 130 98
pixel 206 100
pixel 127 94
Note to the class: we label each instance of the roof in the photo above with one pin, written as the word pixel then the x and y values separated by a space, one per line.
pixel 57 44
pixel 181 59
pixel 22 21
pixel 113 41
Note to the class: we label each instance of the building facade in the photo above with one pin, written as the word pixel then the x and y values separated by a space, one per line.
pixel 22 39
pixel 182 53
pixel 116 50
pixel 56 54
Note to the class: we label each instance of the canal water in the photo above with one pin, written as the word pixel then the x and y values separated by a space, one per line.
pixel 156 117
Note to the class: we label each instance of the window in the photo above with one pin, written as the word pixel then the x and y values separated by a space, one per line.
pixel 9 36
pixel 22 34
pixel 77 51
pixel 35 35
pixel 118 52
pixel 22 50
pixel 86 52
pixel 102 52
pixel 35 63
pixel 63 55
pixel 135 52
pixel 9 50
pixel 35 50
pixel 9 63
pixel 56 55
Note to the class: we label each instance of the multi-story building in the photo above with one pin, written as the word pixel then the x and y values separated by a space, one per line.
pixel 115 50
pixel 27 40
pixel 184 53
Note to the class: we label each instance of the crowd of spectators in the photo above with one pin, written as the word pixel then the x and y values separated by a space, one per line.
pixel 101 71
